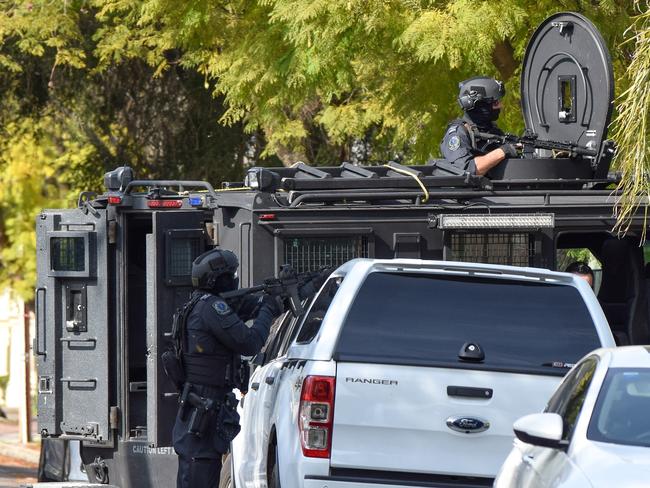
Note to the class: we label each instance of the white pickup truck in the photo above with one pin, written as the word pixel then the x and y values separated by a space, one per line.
pixel 410 373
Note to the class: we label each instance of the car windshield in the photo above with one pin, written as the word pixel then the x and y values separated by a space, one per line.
pixel 425 319
pixel 622 411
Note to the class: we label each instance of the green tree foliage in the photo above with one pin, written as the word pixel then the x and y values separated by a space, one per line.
pixel 199 88
pixel 67 115
pixel 309 72
pixel 315 76
pixel 26 186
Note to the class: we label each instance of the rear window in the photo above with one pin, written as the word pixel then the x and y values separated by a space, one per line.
pixel 426 319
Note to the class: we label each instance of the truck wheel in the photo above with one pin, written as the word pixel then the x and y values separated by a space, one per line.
pixel 274 480
pixel 226 480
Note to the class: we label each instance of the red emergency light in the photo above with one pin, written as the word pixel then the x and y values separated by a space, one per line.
pixel 165 203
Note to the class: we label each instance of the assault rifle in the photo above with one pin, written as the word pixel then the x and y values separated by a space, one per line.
pixel 292 287
pixel 530 141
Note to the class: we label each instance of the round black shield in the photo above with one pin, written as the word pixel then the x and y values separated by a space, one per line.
pixel 567 84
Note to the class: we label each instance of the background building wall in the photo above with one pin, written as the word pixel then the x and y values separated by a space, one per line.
pixel 12 350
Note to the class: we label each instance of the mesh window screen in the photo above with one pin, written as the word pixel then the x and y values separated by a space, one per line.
pixel 512 249
pixel 183 251
pixel 310 253
pixel 68 253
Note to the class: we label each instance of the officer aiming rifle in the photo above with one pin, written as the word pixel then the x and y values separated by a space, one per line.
pixel 475 143
pixel 210 336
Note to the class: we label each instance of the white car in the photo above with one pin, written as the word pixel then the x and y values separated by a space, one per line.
pixel 410 373
pixel 595 431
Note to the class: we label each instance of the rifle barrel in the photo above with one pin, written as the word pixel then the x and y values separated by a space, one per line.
pixel 240 292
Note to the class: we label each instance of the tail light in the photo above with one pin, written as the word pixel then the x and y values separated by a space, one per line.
pixel 315 417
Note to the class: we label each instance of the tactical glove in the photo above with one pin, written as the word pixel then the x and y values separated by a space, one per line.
pixel 310 288
pixel 273 304
pixel 307 290
pixel 510 150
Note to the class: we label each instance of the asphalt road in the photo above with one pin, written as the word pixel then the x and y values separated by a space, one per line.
pixel 14 473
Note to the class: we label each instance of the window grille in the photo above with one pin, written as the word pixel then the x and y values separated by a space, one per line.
pixel 310 254
pixel 515 249
pixel 183 251
pixel 68 253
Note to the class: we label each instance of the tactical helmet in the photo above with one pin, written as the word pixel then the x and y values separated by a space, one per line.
pixel 212 264
pixel 479 89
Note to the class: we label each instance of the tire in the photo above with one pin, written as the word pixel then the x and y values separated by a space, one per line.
pixel 225 479
pixel 274 478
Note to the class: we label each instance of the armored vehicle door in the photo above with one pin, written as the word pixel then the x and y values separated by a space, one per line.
pixel 567 82
pixel 177 238
pixel 75 325
pixel 567 93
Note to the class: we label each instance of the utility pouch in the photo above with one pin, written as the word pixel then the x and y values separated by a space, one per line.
pixel 173 367
pixel 228 419
pixel 172 358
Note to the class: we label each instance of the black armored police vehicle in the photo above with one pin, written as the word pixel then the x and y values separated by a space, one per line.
pixel 112 271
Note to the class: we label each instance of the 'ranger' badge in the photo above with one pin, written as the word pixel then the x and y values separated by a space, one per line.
pixel 221 307
pixel 454 143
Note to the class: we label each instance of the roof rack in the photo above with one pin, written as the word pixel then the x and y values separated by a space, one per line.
pixel 391 177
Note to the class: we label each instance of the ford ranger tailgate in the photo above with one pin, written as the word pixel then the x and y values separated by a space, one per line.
pixel 433 369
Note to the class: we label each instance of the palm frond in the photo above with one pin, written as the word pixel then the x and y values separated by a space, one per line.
pixel 633 124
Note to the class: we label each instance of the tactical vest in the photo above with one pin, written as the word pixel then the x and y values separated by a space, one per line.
pixel 214 370
pixel 479 146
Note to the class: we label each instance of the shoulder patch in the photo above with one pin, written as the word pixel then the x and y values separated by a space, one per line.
pixel 454 143
pixel 221 307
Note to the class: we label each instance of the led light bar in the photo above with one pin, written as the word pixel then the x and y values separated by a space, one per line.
pixel 497 221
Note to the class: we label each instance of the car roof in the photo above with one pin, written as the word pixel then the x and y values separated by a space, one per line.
pixel 496 270
pixel 627 356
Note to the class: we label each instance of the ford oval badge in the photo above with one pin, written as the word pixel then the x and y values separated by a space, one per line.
pixel 467 425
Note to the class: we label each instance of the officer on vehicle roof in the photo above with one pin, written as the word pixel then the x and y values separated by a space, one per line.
pixel 480 99
pixel 214 337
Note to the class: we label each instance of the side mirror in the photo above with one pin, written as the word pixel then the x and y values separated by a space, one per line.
pixel 541 429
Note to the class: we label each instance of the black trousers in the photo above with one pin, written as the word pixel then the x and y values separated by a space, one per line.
pixel 199 457
pixel 198 472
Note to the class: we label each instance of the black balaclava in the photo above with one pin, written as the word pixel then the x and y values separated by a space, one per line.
pixel 225 282
pixel 483 115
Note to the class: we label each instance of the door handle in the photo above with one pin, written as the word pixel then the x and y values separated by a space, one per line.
pixel 87 344
pixel 269 380
pixel 469 392
pixel 79 380
pixel 255 386
pixel 39 341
